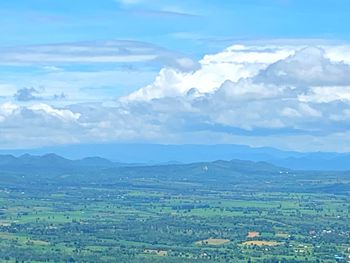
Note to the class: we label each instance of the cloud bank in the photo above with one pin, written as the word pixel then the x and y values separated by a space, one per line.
pixel 98 52
pixel 287 96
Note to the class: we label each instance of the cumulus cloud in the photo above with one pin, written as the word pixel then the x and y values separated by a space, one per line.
pixel 258 95
pixel 307 67
pixel 232 64
pixel 62 114
pixel 36 125
pixel 255 91
pixel 10 111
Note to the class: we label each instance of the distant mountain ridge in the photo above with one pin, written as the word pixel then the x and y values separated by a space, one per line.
pixel 150 154
pixel 51 168
pixel 54 160
pixel 47 161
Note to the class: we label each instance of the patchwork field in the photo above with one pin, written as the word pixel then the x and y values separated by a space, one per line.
pixel 213 242
pixel 172 215
pixel 261 243
pixel 253 234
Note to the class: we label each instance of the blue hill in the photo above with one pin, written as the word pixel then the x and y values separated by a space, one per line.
pixel 172 154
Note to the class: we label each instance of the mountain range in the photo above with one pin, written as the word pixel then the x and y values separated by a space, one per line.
pixel 151 154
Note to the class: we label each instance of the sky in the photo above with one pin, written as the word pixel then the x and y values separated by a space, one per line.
pixel 256 72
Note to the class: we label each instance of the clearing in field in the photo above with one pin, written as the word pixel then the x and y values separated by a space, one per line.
pixel 38 242
pixel 282 235
pixel 161 253
pixel 261 243
pixel 213 241
pixel 253 234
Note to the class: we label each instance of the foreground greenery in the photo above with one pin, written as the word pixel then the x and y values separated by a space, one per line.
pixel 208 212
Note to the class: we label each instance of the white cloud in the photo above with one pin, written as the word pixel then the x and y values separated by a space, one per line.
pixel 308 67
pixel 256 90
pixel 311 66
pixel 6 110
pixel 326 94
pixel 283 96
pixel 65 115
pixel 232 64
pixel 103 52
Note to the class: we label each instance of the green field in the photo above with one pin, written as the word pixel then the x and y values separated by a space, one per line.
pixel 169 216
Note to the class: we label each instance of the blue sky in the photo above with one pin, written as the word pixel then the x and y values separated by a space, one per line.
pixel 179 25
pixel 107 71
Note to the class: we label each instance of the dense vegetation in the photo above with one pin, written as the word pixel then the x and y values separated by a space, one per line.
pixel 54 210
